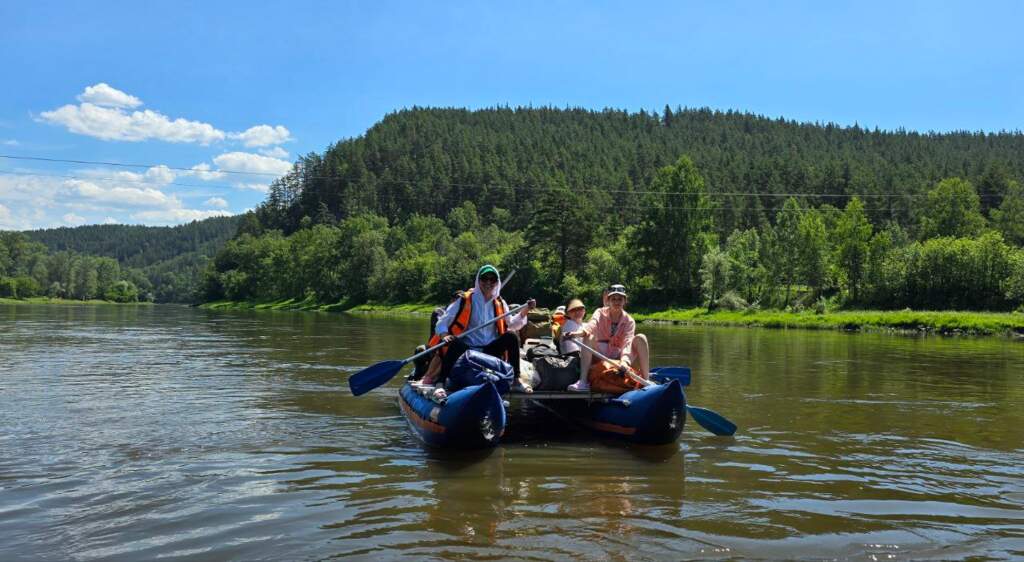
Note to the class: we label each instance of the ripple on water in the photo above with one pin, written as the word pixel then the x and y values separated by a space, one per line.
pixel 191 434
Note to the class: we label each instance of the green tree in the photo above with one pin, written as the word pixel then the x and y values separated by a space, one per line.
pixel 122 291
pixel 672 234
pixel 748 274
pixel 1009 217
pixel 561 231
pixel 714 272
pixel 812 249
pixel 952 208
pixel 853 233
pixel 787 222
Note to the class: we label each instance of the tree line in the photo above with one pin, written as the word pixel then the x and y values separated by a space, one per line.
pixel 28 269
pixel 758 213
pixel 165 264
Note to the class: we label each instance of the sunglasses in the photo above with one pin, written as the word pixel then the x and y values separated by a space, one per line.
pixel 489 279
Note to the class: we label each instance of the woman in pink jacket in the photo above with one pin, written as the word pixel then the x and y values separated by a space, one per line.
pixel 612 331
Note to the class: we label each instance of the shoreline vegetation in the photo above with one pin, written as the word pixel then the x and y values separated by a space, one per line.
pixel 54 300
pixel 903 321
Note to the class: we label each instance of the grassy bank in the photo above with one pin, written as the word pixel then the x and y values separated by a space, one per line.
pixel 941 322
pixel 48 300
pixel 311 305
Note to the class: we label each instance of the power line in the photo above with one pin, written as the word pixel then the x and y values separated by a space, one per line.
pixel 123 165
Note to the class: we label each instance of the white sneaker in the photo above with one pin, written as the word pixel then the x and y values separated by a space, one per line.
pixel 579 386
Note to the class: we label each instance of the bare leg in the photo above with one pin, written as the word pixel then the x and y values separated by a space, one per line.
pixel 586 358
pixel 641 355
pixel 433 369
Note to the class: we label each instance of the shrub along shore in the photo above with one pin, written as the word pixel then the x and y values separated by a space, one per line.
pixel 908 321
pixel 54 300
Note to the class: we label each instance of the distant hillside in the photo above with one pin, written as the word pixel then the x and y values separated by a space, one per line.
pixel 425 161
pixel 140 246
pixel 686 207
pixel 172 258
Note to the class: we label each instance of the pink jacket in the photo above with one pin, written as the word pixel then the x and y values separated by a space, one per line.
pixel 600 327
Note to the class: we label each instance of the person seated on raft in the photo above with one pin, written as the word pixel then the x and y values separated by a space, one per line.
pixel 574 313
pixel 478 306
pixel 612 331
pixel 428 366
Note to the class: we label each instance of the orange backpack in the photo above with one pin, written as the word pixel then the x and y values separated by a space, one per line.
pixel 604 377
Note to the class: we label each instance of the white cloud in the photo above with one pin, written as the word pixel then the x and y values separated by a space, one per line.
pixel 12 142
pixel 252 163
pixel 116 124
pixel 31 202
pixel 5 218
pixel 203 172
pixel 263 135
pixel 106 113
pixel 276 152
pixel 263 187
pixel 173 216
pixel 218 202
pixel 121 197
pixel 160 174
pixel 102 94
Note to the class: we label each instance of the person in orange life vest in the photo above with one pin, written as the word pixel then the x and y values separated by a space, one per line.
pixel 428 366
pixel 557 320
pixel 612 331
pixel 475 308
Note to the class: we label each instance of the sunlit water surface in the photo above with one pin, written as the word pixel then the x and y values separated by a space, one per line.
pixel 133 433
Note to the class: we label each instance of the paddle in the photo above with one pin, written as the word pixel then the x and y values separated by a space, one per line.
pixel 375 375
pixel 681 374
pixel 708 419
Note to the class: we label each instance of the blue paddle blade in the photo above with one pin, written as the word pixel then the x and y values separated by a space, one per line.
pixel 373 376
pixel 666 374
pixel 711 421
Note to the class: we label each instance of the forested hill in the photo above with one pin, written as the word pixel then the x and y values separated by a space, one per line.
pixel 426 161
pixel 684 206
pixel 140 246
pixel 164 264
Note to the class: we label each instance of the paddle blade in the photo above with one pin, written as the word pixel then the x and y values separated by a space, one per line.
pixel 373 376
pixel 711 420
pixel 666 374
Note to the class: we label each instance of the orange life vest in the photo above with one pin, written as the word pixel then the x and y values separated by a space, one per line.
pixel 557 321
pixel 463 316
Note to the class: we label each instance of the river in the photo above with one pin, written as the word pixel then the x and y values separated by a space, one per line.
pixel 132 433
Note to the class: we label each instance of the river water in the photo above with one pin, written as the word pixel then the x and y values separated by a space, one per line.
pixel 135 433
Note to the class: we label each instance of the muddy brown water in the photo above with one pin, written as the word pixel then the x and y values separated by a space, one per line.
pixel 135 433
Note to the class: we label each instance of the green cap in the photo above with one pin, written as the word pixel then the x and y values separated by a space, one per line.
pixel 487 269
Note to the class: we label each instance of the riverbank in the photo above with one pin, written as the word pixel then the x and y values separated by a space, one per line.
pixel 909 321
pixel 48 300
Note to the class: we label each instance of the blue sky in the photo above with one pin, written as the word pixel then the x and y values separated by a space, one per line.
pixel 200 88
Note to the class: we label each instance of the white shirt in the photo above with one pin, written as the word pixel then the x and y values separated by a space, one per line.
pixel 569 346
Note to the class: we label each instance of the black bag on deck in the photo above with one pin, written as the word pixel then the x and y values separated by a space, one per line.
pixel 557 372
pixel 476 367
pixel 540 350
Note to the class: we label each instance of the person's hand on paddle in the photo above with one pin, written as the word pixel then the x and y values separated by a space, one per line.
pixel 530 305
pixel 447 338
pixel 624 366
pixel 575 335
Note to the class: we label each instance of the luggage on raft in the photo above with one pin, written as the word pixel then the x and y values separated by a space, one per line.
pixel 476 367
pixel 556 372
